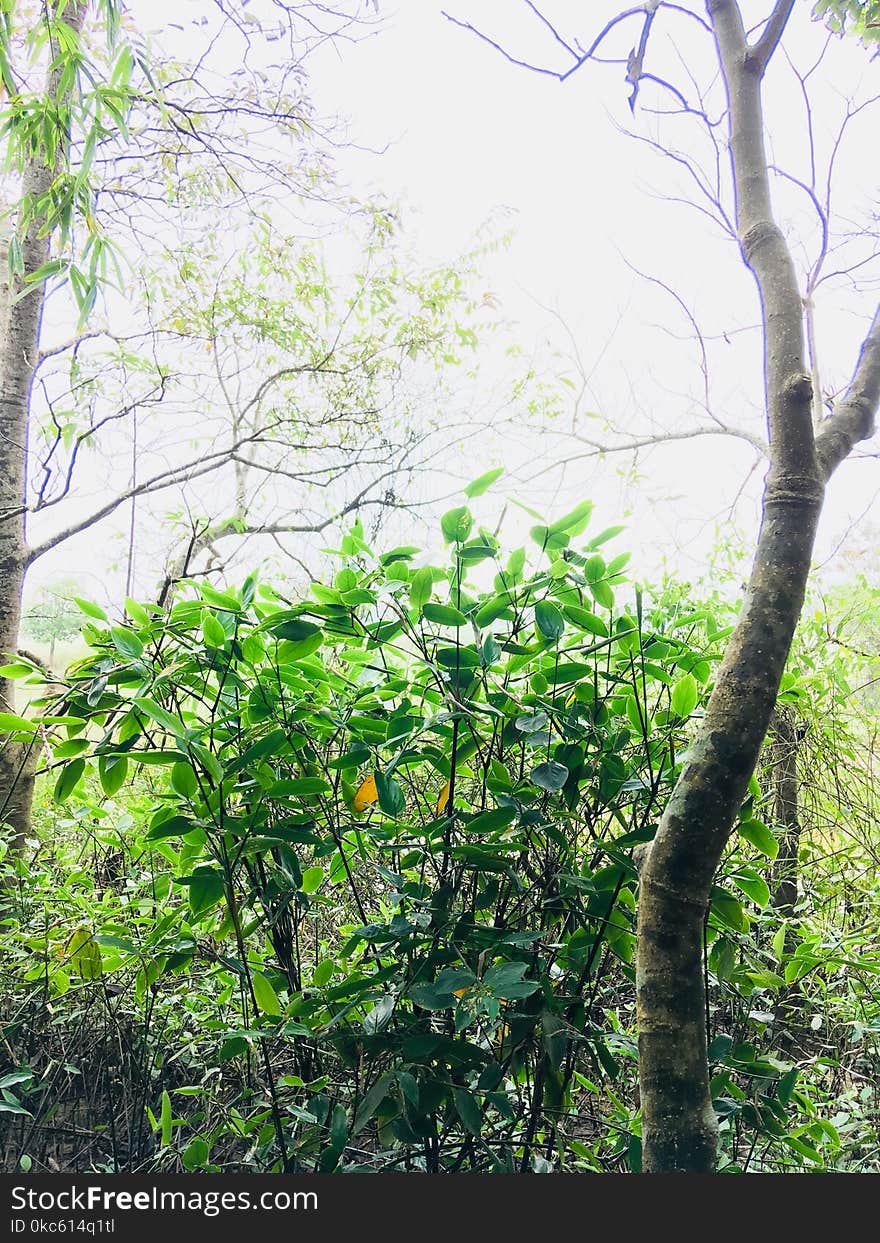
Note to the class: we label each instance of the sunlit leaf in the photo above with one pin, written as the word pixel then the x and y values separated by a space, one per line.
pixel 483 482
pixel 366 794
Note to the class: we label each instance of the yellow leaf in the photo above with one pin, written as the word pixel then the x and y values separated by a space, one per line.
pixel 85 955
pixel 367 794
pixel 443 800
pixel 459 992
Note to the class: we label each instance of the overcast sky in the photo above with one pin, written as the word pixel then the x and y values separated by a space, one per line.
pixel 468 137
pixel 471 145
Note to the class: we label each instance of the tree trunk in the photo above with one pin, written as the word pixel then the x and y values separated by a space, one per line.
pixel 679 1127
pixel 19 349
pixel 784 760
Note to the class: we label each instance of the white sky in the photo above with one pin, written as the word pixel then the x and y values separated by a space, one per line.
pixel 461 137
pixel 470 134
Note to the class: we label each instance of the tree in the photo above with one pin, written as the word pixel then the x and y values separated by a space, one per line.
pixel 679 1127
pixel 21 308
pixel 53 616
pixel 109 147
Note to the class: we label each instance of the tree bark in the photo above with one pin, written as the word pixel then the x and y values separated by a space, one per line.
pixel 19 349
pixel 678 1122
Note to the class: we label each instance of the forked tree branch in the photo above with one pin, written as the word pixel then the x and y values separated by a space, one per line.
pixel 855 414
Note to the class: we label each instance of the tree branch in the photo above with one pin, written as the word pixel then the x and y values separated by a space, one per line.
pixel 761 52
pixel 855 414
pixel 787 381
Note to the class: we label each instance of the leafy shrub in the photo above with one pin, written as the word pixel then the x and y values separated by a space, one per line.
pixel 387 834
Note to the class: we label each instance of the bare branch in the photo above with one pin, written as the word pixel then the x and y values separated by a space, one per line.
pixel 761 52
pixel 579 58
pixel 73 344
pixel 854 416
pixel 513 60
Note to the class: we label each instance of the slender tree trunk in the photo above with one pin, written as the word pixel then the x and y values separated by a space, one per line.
pixel 786 788
pixel 19 350
pixel 679 1127
pixel 784 760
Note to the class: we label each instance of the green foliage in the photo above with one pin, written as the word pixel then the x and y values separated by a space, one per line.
pixel 62 128
pixel 860 18
pixel 375 879
pixel 52 615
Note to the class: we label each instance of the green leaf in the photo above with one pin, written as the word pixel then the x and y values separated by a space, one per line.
pixel 165 1119
pixel 137 612
pixel 493 609
pixel 549 620
pixel 602 594
pixel 184 780
pixel 69 779
pixel 456 525
pixel 295 630
pixel 298 786
pixel 604 536
pixel 760 836
pixel 728 910
pixel 12 724
pixel 458 657
pixel 299 650
pixel 753 885
pixel 126 642
pixel 267 998
pixel 16 670
pixel 786 1084
pixel 372 1101
pixel 483 482
pixel 206 889
pixel 444 615
pixel 391 797
pixel 89 608
pixel 338 1128
pixel 634 714
pixel 212 630
pixel 117 943
pixel 195 1155
pixel 685 694
pixel 574 523
pixel 220 599
pixel 547 539
pixel 476 551
pixel 468 1110
pixel 440 995
pixel 311 879
pixel 550 776
pixel 720 1047
pixel 420 587
pixel 506 981
pixel 779 939
pixel 491 821
pixel 252 648
pixel 112 771
pixel 585 620
pixel 156 712
pixel 323 973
